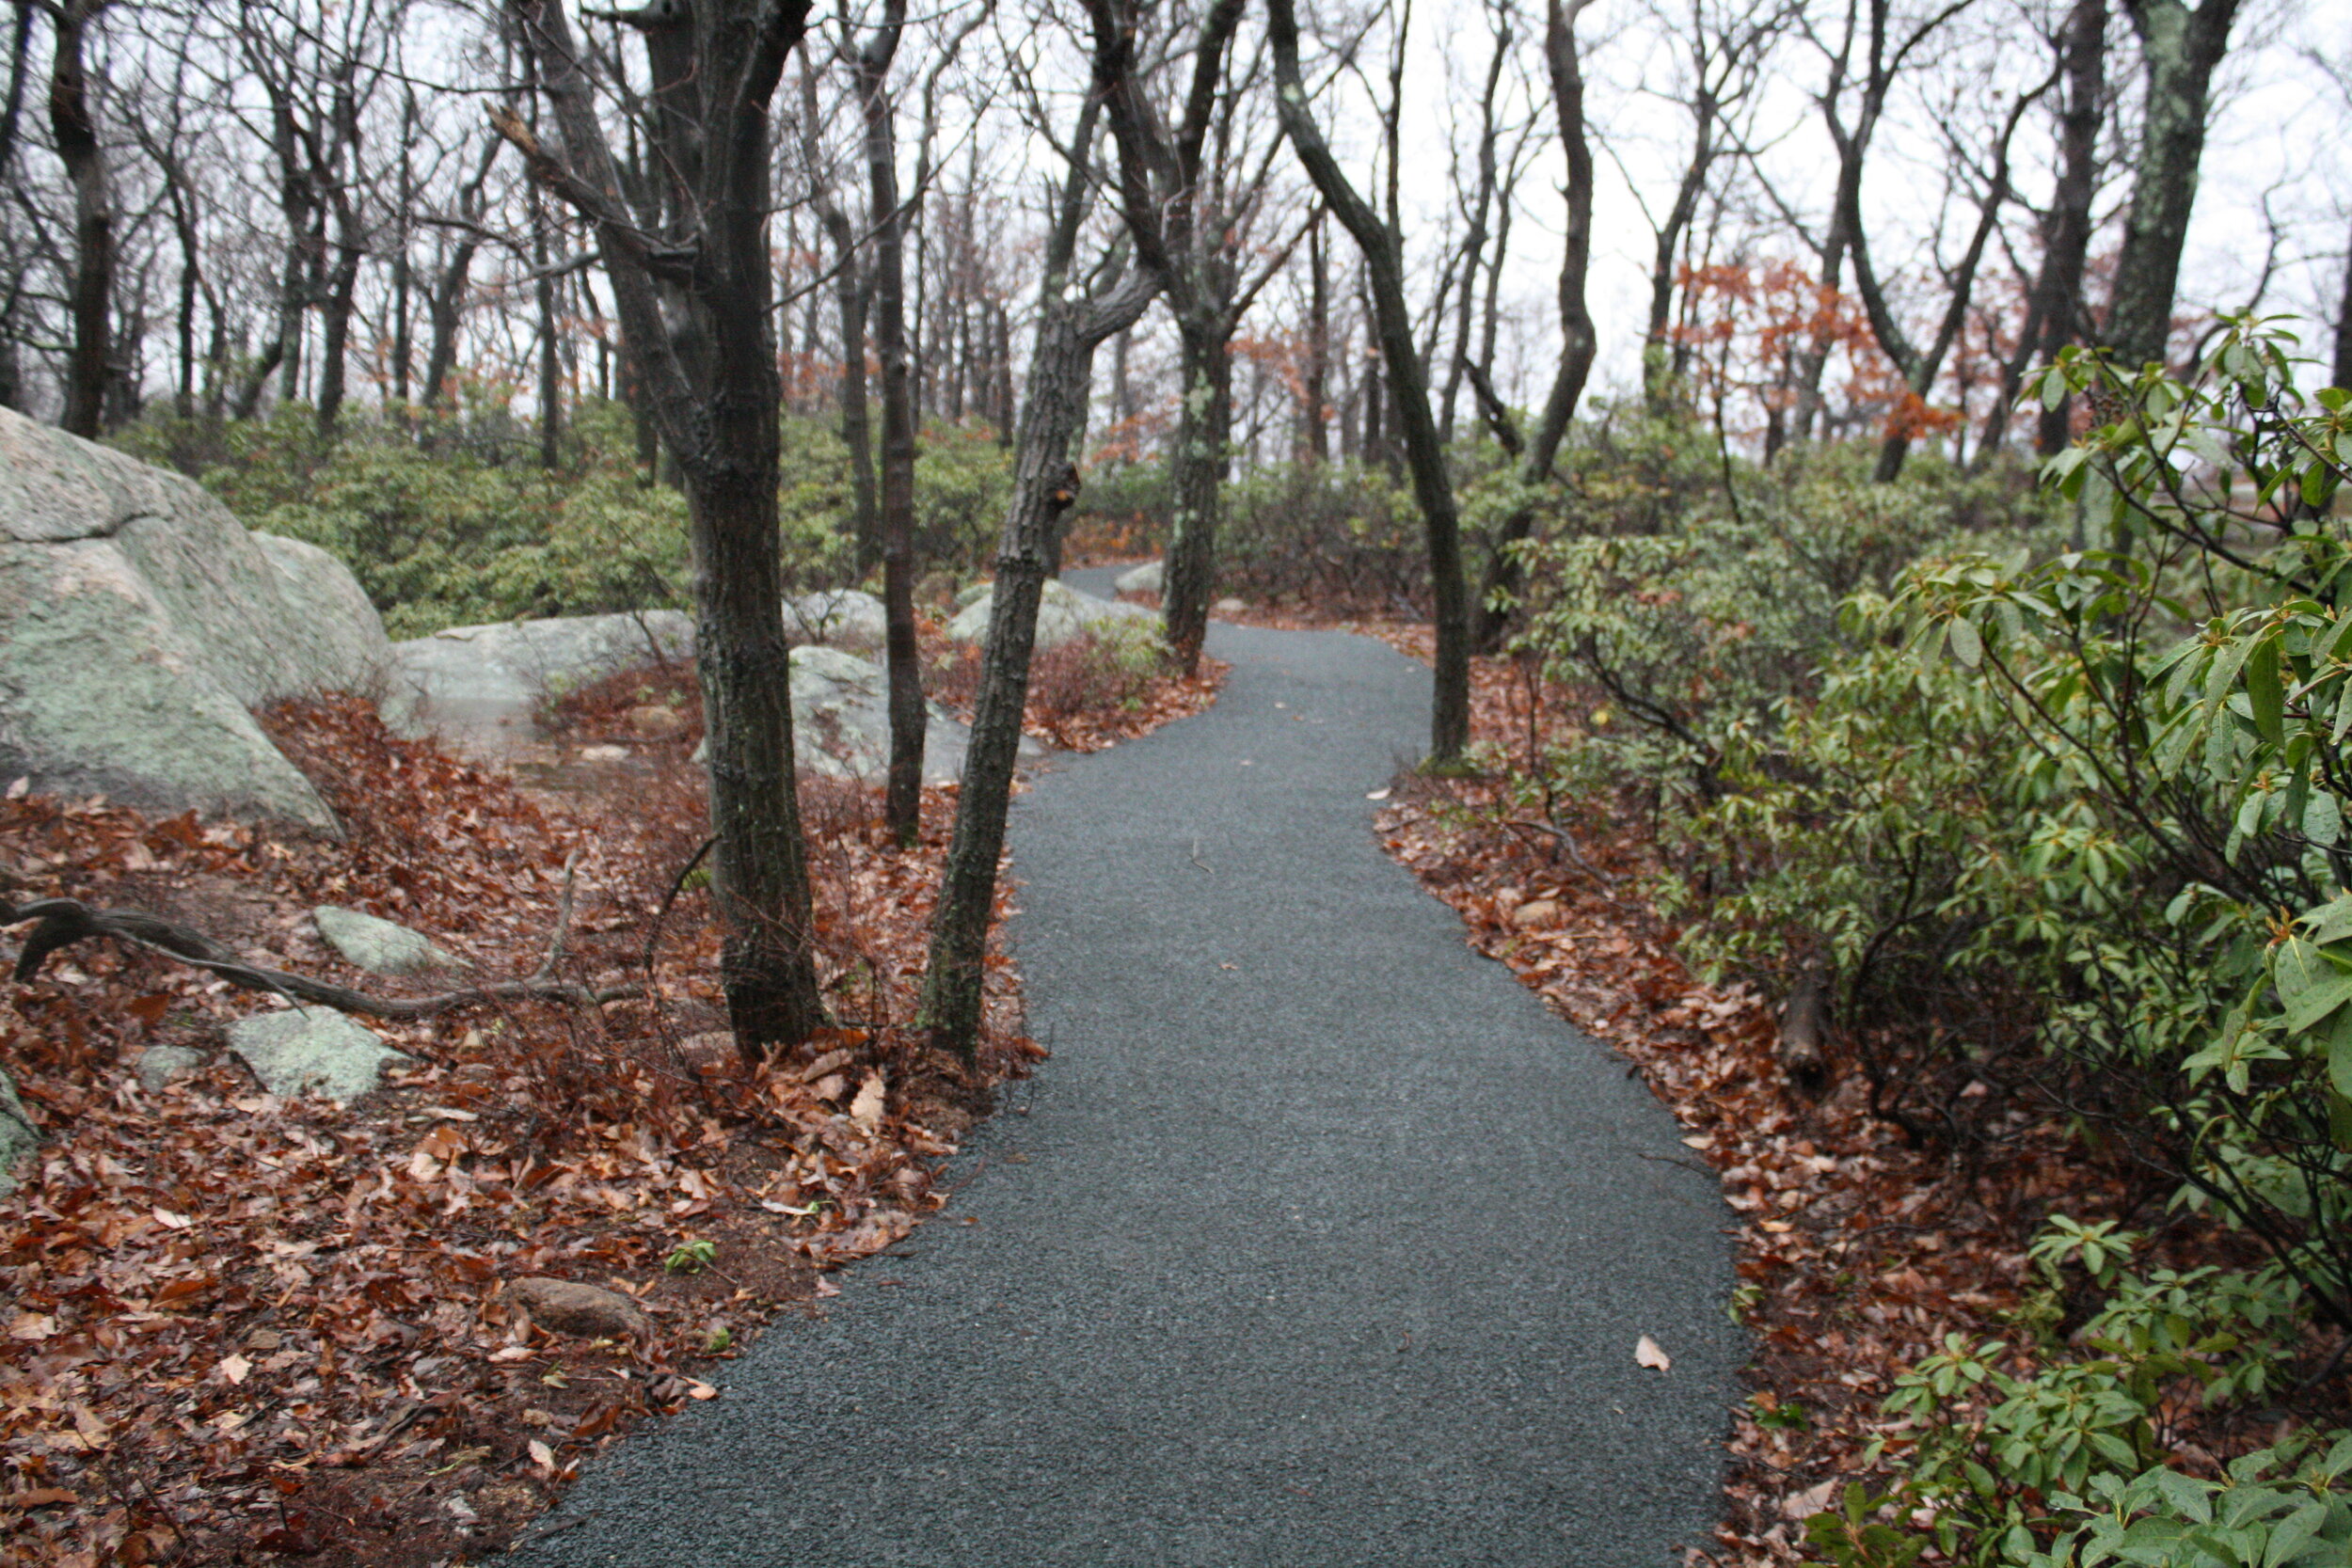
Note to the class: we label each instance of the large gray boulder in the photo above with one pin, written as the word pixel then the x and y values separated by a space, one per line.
pixel 1063 616
pixel 139 622
pixel 837 617
pixel 841 722
pixel 468 678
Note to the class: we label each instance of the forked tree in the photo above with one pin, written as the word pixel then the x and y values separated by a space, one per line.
pixel 705 237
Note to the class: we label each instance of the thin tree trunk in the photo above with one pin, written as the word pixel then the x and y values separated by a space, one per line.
pixel 90 300
pixel 2054 310
pixel 1578 342
pixel 1316 413
pixel 2180 49
pixel 2342 367
pixel 1449 726
pixel 908 718
pixel 849 288
pixel 719 410
pixel 1045 484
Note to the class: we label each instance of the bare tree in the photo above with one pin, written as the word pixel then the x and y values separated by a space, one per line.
pixel 1578 342
pixel 74 126
pixel 1382 248
pixel 716 67
pixel 1074 316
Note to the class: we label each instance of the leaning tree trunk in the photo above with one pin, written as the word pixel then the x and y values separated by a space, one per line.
pixel 904 808
pixel 1433 487
pixel 849 300
pixel 1045 483
pixel 92 291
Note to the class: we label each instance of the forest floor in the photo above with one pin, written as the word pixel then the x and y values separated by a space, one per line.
pixel 245 1329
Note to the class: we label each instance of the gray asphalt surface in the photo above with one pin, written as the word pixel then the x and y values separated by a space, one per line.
pixel 1317 1241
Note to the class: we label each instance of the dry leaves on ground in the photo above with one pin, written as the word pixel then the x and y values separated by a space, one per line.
pixel 244 1329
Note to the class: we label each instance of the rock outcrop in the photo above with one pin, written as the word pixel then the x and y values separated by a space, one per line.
pixel 1063 616
pixel 139 622
pixel 1145 579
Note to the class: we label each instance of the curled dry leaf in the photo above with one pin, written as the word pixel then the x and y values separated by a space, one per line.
pixel 1647 1352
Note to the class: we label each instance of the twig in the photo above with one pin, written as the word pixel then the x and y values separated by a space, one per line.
pixel 1197 860
pixel 66 921
pixel 677 885
pixel 563 923
pixel 1568 845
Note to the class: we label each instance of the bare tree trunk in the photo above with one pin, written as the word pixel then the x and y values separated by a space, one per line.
pixel 550 378
pixel 718 409
pixel 1578 342
pixel 1474 242
pixel 1316 413
pixel 1045 483
pixel 907 715
pixel 850 287
pixel 2054 311
pixel 1449 724
pixel 2342 366
pixel 90 301
pixel 2180 49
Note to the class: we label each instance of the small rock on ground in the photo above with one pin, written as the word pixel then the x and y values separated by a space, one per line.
pixel 1230 606
pixel 307 1049
pixel 378 946
pixel 160 1064
pixel 567 1307
pixel 1145 579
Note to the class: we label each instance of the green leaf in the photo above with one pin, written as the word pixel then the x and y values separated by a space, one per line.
pixel 2319 1001
pixel 2340 1057
pixel 2262 688
pixel 1966 644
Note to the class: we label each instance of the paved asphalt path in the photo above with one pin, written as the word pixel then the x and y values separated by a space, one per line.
pixel 1317 1243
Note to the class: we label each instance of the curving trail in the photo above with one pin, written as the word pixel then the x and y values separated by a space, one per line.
pixel 1318 1242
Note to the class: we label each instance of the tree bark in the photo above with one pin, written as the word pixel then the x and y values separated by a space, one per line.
pixel 718 409
pixel 2342 366
pixel 90 301
pixel 2055 316
pixel 904 810
pixel 2180 49
pixel 1433 487
pixel 1045 483
pixel 1578 342
pixel 1170 188
pixel 850 287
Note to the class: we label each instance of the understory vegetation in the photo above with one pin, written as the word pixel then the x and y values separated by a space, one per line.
pixel 455 519
pixel 2025 797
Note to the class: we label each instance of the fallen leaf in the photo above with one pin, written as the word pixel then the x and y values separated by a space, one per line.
pixel 39 1496
pixel 1377 794
pixel 235 1368
pixel 542 1454
pixel 1649 1353
pixel 1801 1506
pixel 32 1325
pixel 866 1109
pixel 171 1221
